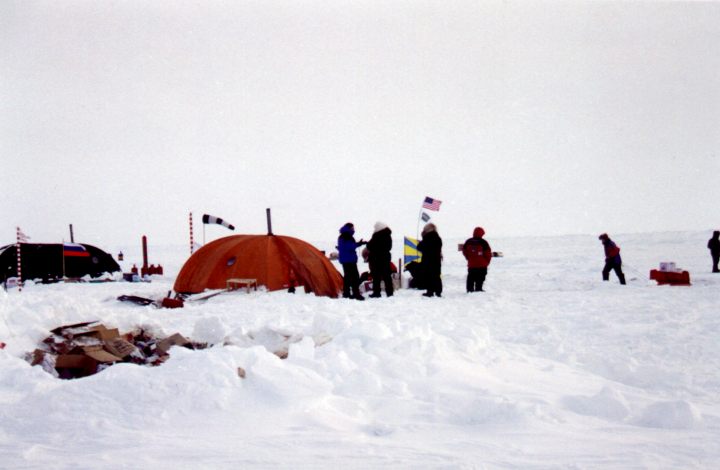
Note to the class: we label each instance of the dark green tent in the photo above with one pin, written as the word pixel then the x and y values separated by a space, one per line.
pixel 48 262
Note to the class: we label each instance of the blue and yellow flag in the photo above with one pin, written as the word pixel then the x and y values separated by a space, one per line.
pixel 410 251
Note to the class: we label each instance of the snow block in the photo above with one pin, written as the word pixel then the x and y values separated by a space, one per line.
pixel 670 415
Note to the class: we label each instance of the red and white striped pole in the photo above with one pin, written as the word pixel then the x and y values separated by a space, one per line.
pixel 192 242
pixel 19 260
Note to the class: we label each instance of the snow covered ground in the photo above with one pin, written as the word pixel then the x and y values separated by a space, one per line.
pixel 550 368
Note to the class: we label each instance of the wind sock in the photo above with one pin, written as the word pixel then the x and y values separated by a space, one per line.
pixel 410 251
pixel 211 219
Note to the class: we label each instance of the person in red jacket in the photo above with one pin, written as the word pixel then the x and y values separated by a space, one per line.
pixel 478 255
pixel 613 262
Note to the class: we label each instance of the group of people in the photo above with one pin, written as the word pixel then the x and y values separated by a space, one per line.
pixel 613 262
pixel 379 258
pixel 476 250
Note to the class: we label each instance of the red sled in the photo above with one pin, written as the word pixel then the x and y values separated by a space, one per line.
pixel 681 278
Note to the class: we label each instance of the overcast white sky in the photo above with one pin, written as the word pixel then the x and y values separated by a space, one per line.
pixel 526 118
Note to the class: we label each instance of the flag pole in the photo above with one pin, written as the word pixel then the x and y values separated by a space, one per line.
pixel 19 261
pixel 192 242
pixel 417 231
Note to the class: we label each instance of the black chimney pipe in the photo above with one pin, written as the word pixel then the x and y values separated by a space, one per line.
pixel 269 221
pixel 145 257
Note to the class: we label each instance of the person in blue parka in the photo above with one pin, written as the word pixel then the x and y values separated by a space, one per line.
pixel 348 258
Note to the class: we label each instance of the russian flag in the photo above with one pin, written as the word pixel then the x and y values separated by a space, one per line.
pixel 74 249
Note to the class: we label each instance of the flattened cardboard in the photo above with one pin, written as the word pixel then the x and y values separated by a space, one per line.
pixel 119 347
pixel 175 340
pixel 80 330
pixel 103 333
pixel 60 329
pixel 100 355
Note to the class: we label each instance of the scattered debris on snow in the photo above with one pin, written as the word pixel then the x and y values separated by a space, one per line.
pixel 83 349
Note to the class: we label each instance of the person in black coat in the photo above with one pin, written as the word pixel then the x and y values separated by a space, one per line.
pixel 714 246
pixel 431 248
pixel 379 257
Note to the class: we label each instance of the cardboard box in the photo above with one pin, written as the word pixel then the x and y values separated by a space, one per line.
pixel 91 329
pixel 100 355
pixel 60 329
pixel 73 366
pixel 73 361
pixel 103 333
pixel 119 347
pixel 668 267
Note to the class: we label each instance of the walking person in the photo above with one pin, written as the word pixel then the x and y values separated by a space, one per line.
pixel 714 246
pixel 431 248
pixel 348 259
pixel 613 262
pixel 379 257
pixel 478 255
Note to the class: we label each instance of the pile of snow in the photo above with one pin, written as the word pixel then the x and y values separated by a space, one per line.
pixel 550 367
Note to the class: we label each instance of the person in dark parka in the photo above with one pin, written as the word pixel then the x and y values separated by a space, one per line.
pixel 379 257
pixel 431 248
pixel 478 255
pixel 613 262
pixel 714 247
pixel 348 259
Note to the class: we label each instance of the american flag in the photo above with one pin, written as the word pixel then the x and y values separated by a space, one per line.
pixel 431 204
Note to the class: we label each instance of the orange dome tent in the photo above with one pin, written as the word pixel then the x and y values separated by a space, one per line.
pixel 273 260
